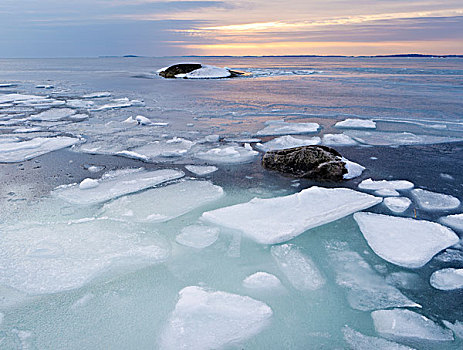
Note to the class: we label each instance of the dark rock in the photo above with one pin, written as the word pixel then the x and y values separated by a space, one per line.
pixel 319 163
pixel 182 68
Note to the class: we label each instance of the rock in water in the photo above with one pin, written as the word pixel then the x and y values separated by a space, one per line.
pixel 319 163
pixel 182 68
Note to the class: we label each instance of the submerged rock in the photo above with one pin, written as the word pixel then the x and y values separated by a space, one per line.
pixel 319 163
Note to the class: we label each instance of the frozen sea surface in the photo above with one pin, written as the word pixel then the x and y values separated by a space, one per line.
pixel 108 172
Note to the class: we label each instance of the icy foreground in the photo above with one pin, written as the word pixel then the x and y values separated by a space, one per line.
pixel 232 154
pixel 366 290
pixel 404 241
pixel 19 151
pixel 447 279
pixel 164 203
pixel 205 319
pixel 279 219
pixel 359 341
pixel 115 184
pixel 432 201
pixel 400 324
pixel 298 268
pixel 51 258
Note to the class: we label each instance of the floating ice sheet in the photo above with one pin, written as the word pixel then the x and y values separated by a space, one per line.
pixel 400 324
pixel 359 341
pixel 453 221
pixel 276 220
pixel 406 280
pixel 397 204
pixel 205 319
pixel 18 151
pixel 353 169
pixel 366 289
pixel 51 258
pixel 201 170
pixel 116 184
pixel 298 268
pixel 356 124
pixel 433 201
pixel 197 236
pixel 53 114
pixel 447 279
pixel 262 281
pixel 175 147
pixel 378 138
pixel 404 241
pixel 456 327
pixel 97 94
pixel 280 127
pixel 287 141
pixel 338 140
pixel 232 154
pixel 400 185
pixel 164 203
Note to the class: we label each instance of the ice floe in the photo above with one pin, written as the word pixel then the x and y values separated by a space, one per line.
pixel 400 324
pixel 262 281
pixel 163 203
pixel 338 140
pixel 400 185
pixel 287 141
pixel 397 204
pixel 456 327
pixel 378 138
pixel 232 154
pixel 204 319
pixel 201 170
pixel 404 241
pixel 197 236
pixel 51 258
pixel 115 184
pixel 88 183
pixel 54 114
pixel 447 279
pixel 353 169
pixel 279 219
pixel 406 280
pixel 434 201
pixel 453 221
pixel 280 127
pixel 119 103
pixel 298 268
pixel 80 103
pixel 359 341
pixel 366 289
pixel 356 124
pixel 97 94
pixel 18 151
pixel 175 147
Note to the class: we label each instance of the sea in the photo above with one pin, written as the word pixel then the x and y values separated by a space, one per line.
pixel 129 205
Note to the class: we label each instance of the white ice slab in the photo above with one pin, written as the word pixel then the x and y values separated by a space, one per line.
pixel 287 141
pixel 447 279
pixel 51 258
pixel 80 103
pixel 338 140
pixel 280 127
pixel 175 147
pixel 206 72
pixel 400 324
pixel 98 95
pixel 298 268
pixel 232 154
pixel 163 203
pixel 406 280
pixel 404 241
pixel 387 193
pixel 453 221
pixel 262 281
pixel 397 204
pixel 373 185
pixel 366 289
pixel 204 319
pixel 198 236
pixel 117 104
pixel 456 327
pixel 116 184
pixel 279 219
pixel 19 151
pixel 54 114
pixel 201 170
pixel 356 124
pixel 434 201
pixel 378 138
pixel 353 169
pixel 359 341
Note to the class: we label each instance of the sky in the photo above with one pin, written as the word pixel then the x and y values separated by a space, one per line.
pixel 89 28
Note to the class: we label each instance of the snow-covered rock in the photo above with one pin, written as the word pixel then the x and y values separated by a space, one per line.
pixel 447 279
pixel 366 289
pixel 19 151
pixel 432 201
pixel 232 154
pixel 201 170
pixel 204 319
pixel 163 203
pixel 359 341
pixel 287 141
pixel 401 324
pixel 298 268
pixel 397 204
pixel 276 220
pixel 207 72
pixel 116 184
pixel 262 281
pixel 280 127
pixel 356 124
pixel 404 241
pixel 197 236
